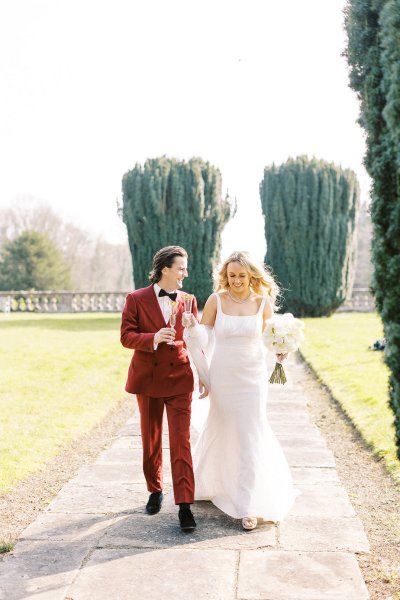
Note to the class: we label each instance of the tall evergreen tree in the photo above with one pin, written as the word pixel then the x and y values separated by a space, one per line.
pixel 373 54
pixel 310 209
pixel 171 202
pixel 32 262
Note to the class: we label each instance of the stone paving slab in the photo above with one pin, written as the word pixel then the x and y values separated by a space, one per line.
pixel 299 417
pixel 323 533
pixel 314 475
pixel 323 500
pixel 313 440
pixel 41 570
pixel 70 527
pixel 162 531
pixel 112 498
pixel 278 575
pixel 100 474
pixel 129 456
pixel 282 427
pixel 132 456
pixel 308 457
pixel 287 395
pixel 287 408
pixel 288 392
pixel 175 574
pixel 135 442
pixel 130 428
pixel 126 472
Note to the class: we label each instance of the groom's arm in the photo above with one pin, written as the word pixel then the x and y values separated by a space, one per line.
pixel 131 337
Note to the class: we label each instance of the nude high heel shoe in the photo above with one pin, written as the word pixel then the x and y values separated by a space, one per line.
pixel 249 523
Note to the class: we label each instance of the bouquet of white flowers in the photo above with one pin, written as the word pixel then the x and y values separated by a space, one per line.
pixel 282 334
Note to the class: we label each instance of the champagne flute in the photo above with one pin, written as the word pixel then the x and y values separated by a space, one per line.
pixel 172 319
pixel 188 299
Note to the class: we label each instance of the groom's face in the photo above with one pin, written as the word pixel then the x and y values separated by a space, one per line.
pixel 174 275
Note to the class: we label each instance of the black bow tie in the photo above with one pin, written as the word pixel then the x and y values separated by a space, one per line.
pixel 173 296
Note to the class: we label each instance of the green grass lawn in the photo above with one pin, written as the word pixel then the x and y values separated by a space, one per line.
pixel 59 376
pixel 338 350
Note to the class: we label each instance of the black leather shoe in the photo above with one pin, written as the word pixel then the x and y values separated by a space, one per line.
pixel 154 503
pixel 186 519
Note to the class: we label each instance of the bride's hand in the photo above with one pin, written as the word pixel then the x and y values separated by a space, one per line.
pixel 203 390
pixel 281 357
pixel 188 320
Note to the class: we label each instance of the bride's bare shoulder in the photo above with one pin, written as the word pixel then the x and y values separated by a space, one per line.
pixel 213 298
pixel 210 310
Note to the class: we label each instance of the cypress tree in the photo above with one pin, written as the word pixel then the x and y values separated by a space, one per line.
pixel 310 209
pixel 373 55
pixel 171 202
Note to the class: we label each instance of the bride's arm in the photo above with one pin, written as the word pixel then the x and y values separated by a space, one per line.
pixel 201 333
pixel 210 311
pixel 198 339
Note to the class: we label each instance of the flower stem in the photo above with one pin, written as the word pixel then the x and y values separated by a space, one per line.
pixel 278 375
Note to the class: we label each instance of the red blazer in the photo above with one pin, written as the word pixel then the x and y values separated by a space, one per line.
pixel 156 373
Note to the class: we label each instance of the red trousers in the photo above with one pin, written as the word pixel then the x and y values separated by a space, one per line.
pixel 151 420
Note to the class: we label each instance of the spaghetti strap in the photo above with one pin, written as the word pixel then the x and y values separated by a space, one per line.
pixel 262 305
pixel 219 309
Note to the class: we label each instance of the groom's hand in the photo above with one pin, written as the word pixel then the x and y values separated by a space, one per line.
pixel 203 390
pixel 166 334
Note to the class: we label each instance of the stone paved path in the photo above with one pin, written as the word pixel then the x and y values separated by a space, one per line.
pixel 95 542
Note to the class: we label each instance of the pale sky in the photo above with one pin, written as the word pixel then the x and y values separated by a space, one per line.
pixel 90 87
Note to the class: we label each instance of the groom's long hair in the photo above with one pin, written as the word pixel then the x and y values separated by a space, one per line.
pixel 164 258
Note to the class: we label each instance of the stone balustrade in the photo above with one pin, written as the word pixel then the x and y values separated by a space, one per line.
pixel 61 302
pixel 66 302
pixel 361 301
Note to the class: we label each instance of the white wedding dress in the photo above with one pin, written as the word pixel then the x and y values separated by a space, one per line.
pixel 238 462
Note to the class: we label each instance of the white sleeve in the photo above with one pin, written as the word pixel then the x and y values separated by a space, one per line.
pixel 198 340
pixel 199 335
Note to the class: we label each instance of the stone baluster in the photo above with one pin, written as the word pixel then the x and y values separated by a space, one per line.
pixel 85 302
pixel 91 302
pixel 100 302
pixel 54 303
pixel 5 304
pixel 75 303
pixel 109 304
pixel 29 303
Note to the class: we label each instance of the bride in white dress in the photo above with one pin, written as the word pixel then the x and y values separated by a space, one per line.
pixel 238 462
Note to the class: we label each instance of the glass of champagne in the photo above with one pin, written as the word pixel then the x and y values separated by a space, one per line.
pixel 172 319
pixel 188 299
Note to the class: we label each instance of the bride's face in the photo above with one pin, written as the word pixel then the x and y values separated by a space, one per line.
pixel 238 277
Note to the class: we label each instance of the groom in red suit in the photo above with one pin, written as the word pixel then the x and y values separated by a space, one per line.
pixel 160 375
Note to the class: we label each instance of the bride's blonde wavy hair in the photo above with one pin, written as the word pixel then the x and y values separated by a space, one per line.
pixel 261 280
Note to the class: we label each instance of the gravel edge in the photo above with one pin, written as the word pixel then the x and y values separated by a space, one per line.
pixel 374 494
